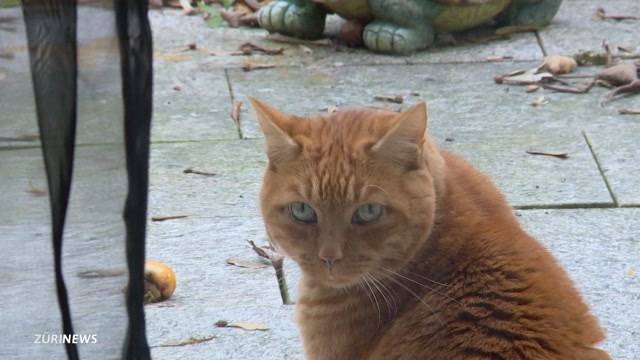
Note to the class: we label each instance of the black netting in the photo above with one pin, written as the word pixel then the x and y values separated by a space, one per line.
pixel 75 111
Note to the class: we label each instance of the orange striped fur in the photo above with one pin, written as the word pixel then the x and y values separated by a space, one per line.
pixel 445 273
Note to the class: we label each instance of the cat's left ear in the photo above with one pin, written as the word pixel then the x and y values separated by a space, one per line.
pixel 402 144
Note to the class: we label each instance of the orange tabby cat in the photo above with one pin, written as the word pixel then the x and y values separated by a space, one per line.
pixel 408 252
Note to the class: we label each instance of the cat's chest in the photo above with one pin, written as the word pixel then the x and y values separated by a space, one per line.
pixel 340 327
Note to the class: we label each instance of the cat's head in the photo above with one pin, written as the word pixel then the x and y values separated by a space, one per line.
pixel 350 192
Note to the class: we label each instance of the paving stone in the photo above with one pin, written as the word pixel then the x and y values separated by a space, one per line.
pixel 459 96
pixel 575 28
pixel 209 290
pixel 618 151
pixel 600 249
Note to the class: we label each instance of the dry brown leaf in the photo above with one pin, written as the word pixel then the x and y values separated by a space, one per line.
pixel 249 326
pixel 246 263
pixel 601 14
pixel 523 77
pixel 249 48
pixel 305 49
pixel 396 99
pixel 170 217
pixel 499 58
pixel 541 100
pixel 532 88
pixel 250 66
pixel 236 107
pixel 189 341
pixel 187 9
pixel 559 155
pixel 237 19
pixel 629 111
pixel 198 172
pixel 170 57
pixel 558 65
pixel 36 192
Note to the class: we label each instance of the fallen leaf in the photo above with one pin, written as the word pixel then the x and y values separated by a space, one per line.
pixel 539 101
pixel 249 48
pixel 523 77
pixel 237 19
pixel 165 218
pixel 177 87
pixel 246 263
pixel 198 172
pixel 189 341
pixel 170 57
pixel 96 274
pixel 629 111
pixel 618 75
pixel 559 155
pixel 330 109
pixel 249 326
pixel 632 272
pixel 305 49
pixel 187 9
pixel 601 14
pixel 250 66
pixel 557 65
pixel 25 137
pixel 36 192
pixel 532 88
pixel 396 99
pixel 499 58
pixel 253 4
pixel 235 112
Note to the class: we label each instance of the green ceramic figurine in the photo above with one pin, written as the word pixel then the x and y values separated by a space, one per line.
pixel 403 26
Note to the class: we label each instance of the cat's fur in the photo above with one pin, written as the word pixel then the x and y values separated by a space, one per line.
pixel 446 273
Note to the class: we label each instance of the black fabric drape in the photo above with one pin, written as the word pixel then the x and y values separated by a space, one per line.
pixel 136 62
pixel 51 33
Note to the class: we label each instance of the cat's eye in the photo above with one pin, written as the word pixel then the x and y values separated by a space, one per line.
pixel 367 213
pixel 303 212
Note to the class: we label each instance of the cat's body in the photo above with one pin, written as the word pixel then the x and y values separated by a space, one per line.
pixel 445 272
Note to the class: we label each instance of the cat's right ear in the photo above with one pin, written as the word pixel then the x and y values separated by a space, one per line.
pixel 280 145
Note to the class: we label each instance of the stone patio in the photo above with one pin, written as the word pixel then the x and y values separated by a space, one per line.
pixel 586 208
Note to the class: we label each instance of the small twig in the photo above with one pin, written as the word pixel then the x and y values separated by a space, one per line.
pixel 629 111
pixel 189 341
pixel 540 43
pixel 602 15
pixel 165 218
pixel 558 155
pixel 396 99
pixel 236 107
pixel 277 261
pixel 198 172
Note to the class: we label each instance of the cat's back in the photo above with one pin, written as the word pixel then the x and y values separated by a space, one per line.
pixel 504 295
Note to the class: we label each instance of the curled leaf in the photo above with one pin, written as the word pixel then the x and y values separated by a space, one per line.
pixel 558 65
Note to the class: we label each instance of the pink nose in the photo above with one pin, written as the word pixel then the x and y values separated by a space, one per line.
pixel 329 260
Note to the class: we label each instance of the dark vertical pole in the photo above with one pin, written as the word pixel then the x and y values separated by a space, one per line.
pixel 51 33
pixel 136 48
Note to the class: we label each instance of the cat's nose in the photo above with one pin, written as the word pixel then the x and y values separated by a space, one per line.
pixel 329 262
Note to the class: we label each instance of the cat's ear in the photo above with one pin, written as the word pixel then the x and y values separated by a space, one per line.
pixel 280 145
pixel 402 144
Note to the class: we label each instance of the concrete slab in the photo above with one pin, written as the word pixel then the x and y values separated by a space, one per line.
pixel 575 28
pixel 618 151
pixel 460 96
pixel 603 263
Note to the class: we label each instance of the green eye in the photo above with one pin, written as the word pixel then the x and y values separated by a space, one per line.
pixel 367 213
pixel 303 213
